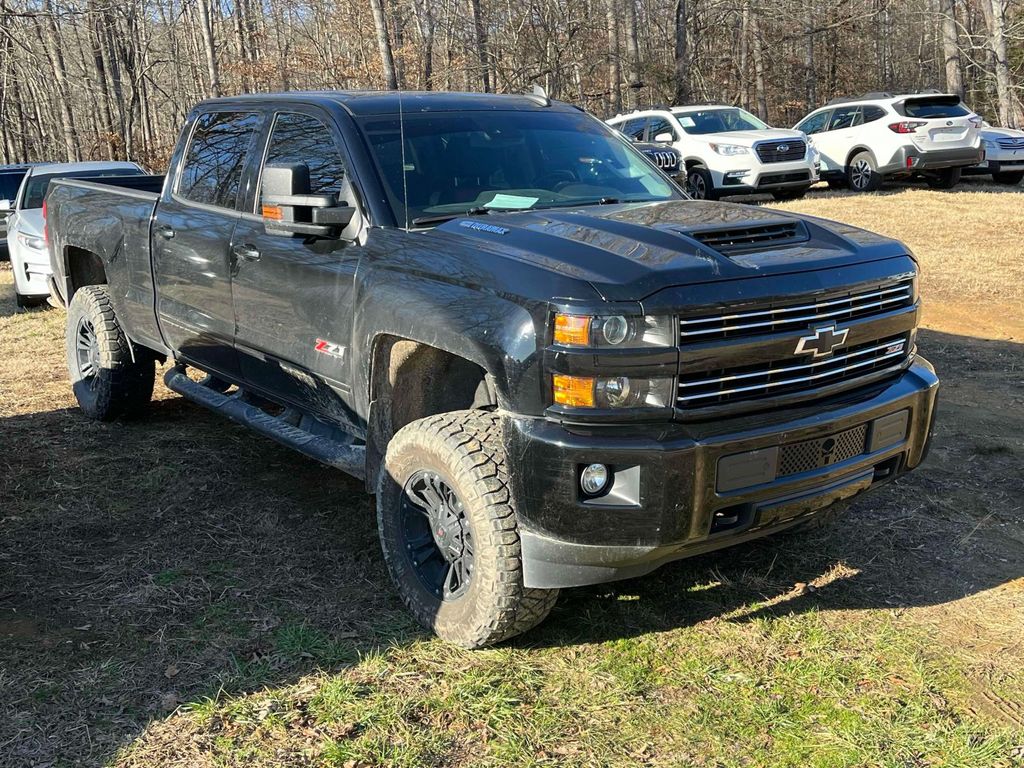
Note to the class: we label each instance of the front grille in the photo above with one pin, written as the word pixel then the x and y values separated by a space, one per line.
pixel 730 385
pixel 781 151
pixel 796 316
pixel 739 238
pixel 1011 143
pixel 809 455
pixel 783 178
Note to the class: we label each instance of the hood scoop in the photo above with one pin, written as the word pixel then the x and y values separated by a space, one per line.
pixel 736 239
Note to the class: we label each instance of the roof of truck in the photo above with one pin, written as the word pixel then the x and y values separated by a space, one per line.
pixel 97 165
pixel 392 102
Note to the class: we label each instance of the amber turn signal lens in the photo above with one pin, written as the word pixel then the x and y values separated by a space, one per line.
pixel 574 391
pixel 572 329
pixel 272 212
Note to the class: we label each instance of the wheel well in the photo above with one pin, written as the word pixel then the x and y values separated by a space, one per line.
pixel 83 268
pixel 692 163
pixel 410 380
pixel 856 151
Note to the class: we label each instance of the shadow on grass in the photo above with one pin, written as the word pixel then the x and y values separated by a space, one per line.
pixel 148 564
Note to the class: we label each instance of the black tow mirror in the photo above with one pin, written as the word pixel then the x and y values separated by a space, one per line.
pixel 290 209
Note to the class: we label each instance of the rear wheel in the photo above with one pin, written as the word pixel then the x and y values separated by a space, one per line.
pixel 790 194
pixel 862 174
pixel 106 379
pixel 947 178
pixel 1008 177
pixel 449 534
pixel 700 185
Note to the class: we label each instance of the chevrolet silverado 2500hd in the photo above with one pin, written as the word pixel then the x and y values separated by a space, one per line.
pixel 550 366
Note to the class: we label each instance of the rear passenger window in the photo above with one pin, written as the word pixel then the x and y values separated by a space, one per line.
pixel 844 117
pixel 873 113
pixel 298 138
pixel 215 160
pixel 815 123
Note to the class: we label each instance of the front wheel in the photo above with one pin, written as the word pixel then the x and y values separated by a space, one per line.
pixel 107 379
pixel 700 185
pixel 947 178
pixel 1008 177
pixel 449 534
pixel 862 174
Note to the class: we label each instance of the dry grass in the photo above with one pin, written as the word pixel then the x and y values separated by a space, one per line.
pixel 178 592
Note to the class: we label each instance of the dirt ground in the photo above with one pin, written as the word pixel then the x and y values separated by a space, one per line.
pixel 178 592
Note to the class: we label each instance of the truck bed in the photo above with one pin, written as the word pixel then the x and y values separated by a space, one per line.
pixel 111 217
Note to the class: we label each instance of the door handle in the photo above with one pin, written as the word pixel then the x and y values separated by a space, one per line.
pixel 246 252
pixel 165 232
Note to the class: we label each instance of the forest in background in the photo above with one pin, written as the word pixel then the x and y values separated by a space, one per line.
pixel 99 79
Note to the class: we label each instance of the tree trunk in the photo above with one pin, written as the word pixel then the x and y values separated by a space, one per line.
pixel 481 43
pixel 995 13
pixel 757 52
pixel 387 58
pixel 209 47
pixel 632 55
pixel 614 62
pixel 681 70
pixel 55 51
pixel 951 47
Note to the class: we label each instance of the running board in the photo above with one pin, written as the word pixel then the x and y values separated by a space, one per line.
pixel 334 453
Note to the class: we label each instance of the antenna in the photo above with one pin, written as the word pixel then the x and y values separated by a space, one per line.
pixel 538 95
pixel 401 139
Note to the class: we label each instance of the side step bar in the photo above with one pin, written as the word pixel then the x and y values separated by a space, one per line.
pixel 334 453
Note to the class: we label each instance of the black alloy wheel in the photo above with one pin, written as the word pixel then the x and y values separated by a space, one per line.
pixel 437 535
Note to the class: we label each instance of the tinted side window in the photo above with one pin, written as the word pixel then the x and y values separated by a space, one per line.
pixel 873 113
pixel 212 172
pixel 844 117
pixel 659 125
pixel 9 183
pixel 634 128
pixel 304 139
pixel 814 123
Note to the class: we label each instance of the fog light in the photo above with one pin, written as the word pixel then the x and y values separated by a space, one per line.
pixel 594 478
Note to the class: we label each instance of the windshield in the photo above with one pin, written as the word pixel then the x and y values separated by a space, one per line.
pixel 36 188
pixel 698 122
pixel 458 162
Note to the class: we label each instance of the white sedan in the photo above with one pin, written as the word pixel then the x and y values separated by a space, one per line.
pixel 26 239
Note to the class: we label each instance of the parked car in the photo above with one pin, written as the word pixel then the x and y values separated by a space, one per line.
pixel 878 136
pixel 550 367
pixel 727 151
pixel 26 242
pixel 668 159
pixel 1004 155
pixel 10 179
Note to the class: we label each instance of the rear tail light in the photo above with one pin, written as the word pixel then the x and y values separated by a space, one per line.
pixel 46 234
pixel 906 126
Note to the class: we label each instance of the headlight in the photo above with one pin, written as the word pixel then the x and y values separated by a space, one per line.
pixel 611 392
pixel 614 331
pixel 31 241
pixel 730 149
pixel 988 144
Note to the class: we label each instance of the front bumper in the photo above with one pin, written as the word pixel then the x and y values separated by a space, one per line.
pixel 1008 162
pixel 761 177
pixel 677 500
pixel 910 159
pixel 31 271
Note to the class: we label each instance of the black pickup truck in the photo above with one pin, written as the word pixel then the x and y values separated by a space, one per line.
pixel 550 366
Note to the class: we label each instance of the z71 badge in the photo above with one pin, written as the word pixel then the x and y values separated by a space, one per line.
pixel 325 347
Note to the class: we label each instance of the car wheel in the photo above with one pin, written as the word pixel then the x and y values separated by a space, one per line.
pixel 107 380
pixel 449 534
pixel 790 194
pixel 947 178
pixel 1008 177
pixel 700 185
pixel 862 174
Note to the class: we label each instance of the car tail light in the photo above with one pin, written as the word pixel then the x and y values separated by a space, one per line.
pixel 906 126
pixel 46 235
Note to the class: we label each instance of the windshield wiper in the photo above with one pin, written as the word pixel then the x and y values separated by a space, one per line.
pixel 441 218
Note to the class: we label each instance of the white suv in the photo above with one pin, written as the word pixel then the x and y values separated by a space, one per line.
pixel 727 151
pixel 862 141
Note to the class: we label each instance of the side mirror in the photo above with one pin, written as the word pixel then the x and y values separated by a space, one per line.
pixel 664 138
pixel 290 209
pixel 6 205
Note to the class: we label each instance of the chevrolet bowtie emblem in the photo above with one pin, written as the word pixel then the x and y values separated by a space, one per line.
pixel 822 342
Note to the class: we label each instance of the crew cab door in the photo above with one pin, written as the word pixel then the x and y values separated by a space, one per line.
pixel 191 239
pixel 293 294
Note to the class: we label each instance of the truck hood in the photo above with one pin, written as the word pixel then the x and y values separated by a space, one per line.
pixel 627 252
pixel 748 138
